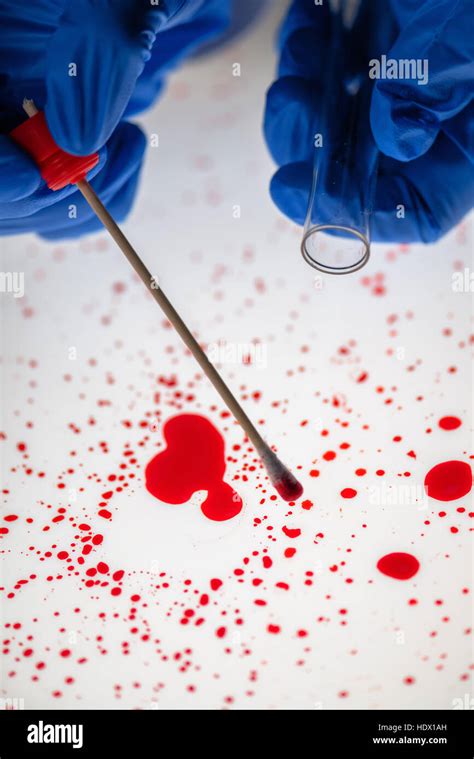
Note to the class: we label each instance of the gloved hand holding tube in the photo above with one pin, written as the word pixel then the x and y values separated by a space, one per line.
pixel 92 64
pixel 424 130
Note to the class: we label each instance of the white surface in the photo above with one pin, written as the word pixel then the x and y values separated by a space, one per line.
pixel 211 158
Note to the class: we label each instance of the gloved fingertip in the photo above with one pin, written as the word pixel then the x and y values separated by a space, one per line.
pixel 290 188
pixel 125 151
pixel 402 130
pixel 66 130
pixel 297 57
pixel 289 119
pixel 122 205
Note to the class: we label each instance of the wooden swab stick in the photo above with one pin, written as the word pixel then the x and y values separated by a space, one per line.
pixel 283 480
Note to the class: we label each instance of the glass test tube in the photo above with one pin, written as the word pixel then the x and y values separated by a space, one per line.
pixel 337 229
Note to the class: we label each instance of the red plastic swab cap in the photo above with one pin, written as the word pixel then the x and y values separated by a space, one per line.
pixel 57 167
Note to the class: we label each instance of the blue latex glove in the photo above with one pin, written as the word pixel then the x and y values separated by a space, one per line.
pixel 87 64
pixel 425 132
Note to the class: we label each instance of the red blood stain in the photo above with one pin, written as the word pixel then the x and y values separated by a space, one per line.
pixel 348 493
pixel 291 533
pixel 400 566
pixel 449 423
pixel 105 514
pixel 274 629
pixel 193 460
pixel 449 480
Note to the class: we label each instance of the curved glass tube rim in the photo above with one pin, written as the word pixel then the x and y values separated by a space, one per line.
pixel 335 269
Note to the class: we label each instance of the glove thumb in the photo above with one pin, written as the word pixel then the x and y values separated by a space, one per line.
pixel 432 62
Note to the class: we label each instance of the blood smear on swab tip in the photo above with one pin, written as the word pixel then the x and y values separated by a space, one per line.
pixel 288 487
pixel 193 460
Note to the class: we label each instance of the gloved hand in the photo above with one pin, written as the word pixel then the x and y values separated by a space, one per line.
pixel 87 64
pixel 425 132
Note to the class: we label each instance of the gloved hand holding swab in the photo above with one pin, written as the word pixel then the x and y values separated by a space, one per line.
pixel 59 169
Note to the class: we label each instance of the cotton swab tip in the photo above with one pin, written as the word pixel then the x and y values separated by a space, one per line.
pixel 284 482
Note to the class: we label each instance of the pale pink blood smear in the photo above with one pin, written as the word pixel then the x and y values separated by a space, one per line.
pixel 449 423
pixel 193 460
pixel 449 480
pixel 400 566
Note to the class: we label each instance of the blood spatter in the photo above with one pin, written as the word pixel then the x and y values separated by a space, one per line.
pixel 291 533
pixel 193 460
pixel 400 566
pixel 348 493
pixel 449 423
pixel 449 480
